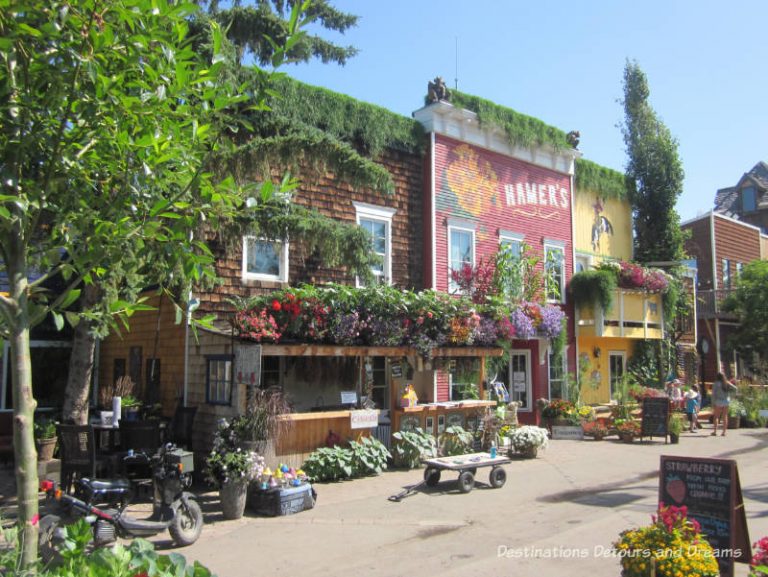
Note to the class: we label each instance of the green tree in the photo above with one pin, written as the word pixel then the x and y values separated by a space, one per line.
pixel 257 27
pixel 108 118
pixel 750 303
pixel 654 171
pixel 655 181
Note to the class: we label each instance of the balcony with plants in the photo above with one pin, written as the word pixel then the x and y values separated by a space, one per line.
pixel 621 299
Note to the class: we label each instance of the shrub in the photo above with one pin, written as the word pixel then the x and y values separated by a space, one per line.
pixel 329 464
pixel 413 446
pixel 455 441
pixel 527 437
pixel 369 456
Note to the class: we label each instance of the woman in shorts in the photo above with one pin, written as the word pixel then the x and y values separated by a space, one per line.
pixel 721 398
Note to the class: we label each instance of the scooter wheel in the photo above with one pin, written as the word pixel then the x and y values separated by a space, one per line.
pixel 187 523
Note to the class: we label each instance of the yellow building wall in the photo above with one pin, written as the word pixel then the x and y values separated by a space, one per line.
pixel 595 386
pixel 588 211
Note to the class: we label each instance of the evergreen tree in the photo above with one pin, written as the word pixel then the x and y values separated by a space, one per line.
pixel 258 26
pixel 654 172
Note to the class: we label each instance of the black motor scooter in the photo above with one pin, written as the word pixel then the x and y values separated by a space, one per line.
pixel 174 508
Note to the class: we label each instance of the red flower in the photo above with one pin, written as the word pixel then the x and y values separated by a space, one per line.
pixel 276 306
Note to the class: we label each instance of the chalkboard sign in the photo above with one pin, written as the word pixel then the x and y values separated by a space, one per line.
pixel 655 418
pixel 711 491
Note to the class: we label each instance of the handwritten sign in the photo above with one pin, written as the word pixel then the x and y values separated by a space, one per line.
pixel 711 491
pixel 655 417
pixel 366 419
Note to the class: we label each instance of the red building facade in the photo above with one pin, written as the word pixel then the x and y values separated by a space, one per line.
pixel 482 194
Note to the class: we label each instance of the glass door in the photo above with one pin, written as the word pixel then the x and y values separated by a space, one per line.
pixel 520 378
pixel 616 370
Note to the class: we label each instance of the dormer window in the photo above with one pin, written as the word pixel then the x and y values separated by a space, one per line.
pixel 748 199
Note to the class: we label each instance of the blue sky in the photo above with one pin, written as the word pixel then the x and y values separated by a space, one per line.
pixel 563 62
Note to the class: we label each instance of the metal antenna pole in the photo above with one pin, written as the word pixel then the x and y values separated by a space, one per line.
pixel 456 74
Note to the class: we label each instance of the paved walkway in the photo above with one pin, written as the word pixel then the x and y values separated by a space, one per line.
pixel 557 515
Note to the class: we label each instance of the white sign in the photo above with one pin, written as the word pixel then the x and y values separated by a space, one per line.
pixel 248 364
pixel 348 397
pixel 567 433
pixel 364 419
pixel 518 382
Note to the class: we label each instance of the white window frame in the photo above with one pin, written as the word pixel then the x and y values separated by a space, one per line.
pixel 554 245
pixel 514 395
pixel 611 376
pixel 383 214
pixel 582 259
pixel 564 377
pixel 282 275
pixel 459 227
pixel 510 238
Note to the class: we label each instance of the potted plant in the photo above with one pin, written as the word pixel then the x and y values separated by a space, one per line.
pixel 627 429
pixel 262 422
pixel 675 427
pixel 230 468
pixel 672 545
pixel 130 406
pixel 736 412
pixel 759 565
pixel 45 439
pixel 596 430
pixel 527 440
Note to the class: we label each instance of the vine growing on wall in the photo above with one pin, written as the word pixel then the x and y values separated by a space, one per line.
pixel 592 178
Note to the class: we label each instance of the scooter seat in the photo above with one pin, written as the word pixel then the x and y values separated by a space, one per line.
pixel 102 485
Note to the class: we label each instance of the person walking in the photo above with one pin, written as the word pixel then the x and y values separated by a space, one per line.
pixel 692 405
pixel 721 398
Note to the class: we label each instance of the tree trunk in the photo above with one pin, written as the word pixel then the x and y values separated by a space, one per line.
pixel 24 405
pixel 81 363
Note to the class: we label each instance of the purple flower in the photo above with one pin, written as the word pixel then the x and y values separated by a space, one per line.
pixel 523 324
pixel 485 334
pixel 386 332
pixel 551 321
pixel 346 329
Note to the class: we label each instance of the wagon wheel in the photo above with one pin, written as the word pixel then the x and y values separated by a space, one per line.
pixel 431 476
pixel 498 477
pixel 466 481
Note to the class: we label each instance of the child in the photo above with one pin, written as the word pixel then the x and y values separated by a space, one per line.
pixel 692 404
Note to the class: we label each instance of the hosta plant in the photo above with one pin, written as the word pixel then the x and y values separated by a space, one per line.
pixel 413 446
pixel 329 464
pixel 455 441
pixel 369 456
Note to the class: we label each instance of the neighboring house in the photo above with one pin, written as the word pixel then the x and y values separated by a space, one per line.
pixel 605 338
pixel 722 246
pixel 748 200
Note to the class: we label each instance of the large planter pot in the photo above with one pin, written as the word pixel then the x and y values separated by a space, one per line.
pixel 734 422
pixel 674 439
pixel 232 497
pixel 530 453
pixel 627 437
pixel 45 448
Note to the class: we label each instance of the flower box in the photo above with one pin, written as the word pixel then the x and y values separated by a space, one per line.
pixel 282 500
pixel 567 433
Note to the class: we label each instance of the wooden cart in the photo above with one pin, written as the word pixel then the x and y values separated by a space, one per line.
pixel 467 466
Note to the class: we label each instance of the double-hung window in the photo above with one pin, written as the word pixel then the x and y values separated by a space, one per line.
pixel 265 259
pixel 377 221
pixel 461 250
pixel 218 386
pixel 748 199
pixel 554 268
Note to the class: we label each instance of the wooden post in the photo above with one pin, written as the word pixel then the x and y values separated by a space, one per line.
pixel 481 385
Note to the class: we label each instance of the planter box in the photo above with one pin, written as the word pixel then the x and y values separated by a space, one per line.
pixel 570 433
pixel 282 501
